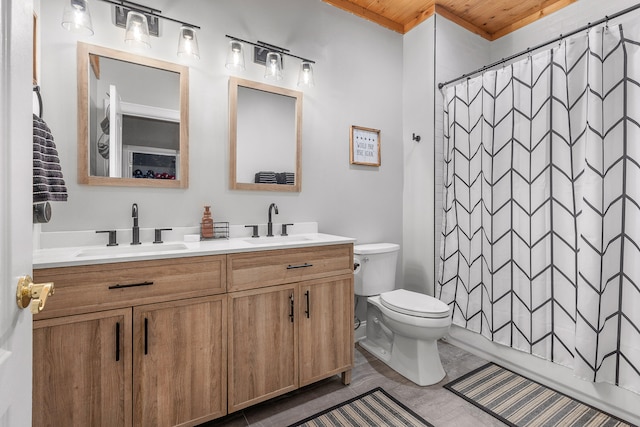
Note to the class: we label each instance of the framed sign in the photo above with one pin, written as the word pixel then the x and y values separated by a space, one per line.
pixel 365 146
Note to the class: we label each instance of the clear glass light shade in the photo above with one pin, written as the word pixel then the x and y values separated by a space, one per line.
pixel 76 17
pixel 305 76
pixel 273 66
pixel 137 32
pixel 235 56
pixel 188 42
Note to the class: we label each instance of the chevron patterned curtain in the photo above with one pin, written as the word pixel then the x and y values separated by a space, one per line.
pixel 541 227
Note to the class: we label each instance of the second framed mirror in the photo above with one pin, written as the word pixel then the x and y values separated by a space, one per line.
pixel 265 137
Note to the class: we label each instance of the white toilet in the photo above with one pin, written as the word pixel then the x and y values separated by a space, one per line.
pixel 402 326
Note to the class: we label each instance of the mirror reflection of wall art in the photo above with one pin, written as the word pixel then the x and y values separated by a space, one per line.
pixel 365 146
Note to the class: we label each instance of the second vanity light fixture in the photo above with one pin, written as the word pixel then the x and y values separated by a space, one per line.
pixel 139 20
pixel 272 58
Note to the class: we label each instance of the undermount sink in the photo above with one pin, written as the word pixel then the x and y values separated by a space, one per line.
pixel 277 239
pixel 131 249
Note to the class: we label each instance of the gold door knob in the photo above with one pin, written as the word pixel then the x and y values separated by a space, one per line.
pixel 33 295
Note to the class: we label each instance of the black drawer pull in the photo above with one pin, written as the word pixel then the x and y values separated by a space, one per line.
pixel 146 335
pixel 308 310
pixel 117 341
pixel 291 307
pixel 130 285
pixel 305 265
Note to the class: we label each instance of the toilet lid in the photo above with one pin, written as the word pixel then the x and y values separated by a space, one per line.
pixel 375 248
pixel 414 304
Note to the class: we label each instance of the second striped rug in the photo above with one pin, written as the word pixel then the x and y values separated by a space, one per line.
pixel 521 402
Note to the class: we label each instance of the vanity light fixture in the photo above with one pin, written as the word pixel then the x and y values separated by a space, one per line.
pixel 235 56
pixel 76 17
pixel 139 20
pixel 305 76
pixel 137 33
pixel 188 42
pixel 273 66
pixel 272 58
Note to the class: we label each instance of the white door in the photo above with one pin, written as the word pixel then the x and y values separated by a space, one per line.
pixel 115 133
pixel 16 136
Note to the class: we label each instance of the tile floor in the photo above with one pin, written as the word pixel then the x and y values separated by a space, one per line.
pixel 434 403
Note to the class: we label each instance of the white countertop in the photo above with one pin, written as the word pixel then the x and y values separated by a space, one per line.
pixel 124 252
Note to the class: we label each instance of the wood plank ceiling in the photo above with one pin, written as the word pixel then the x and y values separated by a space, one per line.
pixel 490 19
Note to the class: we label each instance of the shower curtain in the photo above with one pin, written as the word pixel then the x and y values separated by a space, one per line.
pixel 540 242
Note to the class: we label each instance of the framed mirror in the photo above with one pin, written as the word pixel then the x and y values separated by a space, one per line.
pixel 265 137
pixel 133 120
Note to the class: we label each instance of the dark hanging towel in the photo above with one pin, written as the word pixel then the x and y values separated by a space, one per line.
pixel 48 182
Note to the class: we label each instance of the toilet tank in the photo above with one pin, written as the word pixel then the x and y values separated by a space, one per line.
pixel 377 268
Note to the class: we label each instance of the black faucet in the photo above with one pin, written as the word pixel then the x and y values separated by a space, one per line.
pixel 136 229
pixel 270 224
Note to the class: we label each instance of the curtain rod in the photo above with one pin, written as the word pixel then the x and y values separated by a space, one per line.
pixel 530 49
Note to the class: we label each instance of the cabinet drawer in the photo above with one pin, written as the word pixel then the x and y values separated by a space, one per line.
pixel 88 288
pixel 256 269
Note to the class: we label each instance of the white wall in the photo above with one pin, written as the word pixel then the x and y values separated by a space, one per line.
pixel 459 52
pixel 358 74
pixel 418 118
pixel 433 52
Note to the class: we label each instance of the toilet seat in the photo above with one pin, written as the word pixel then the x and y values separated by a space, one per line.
pixel 414 304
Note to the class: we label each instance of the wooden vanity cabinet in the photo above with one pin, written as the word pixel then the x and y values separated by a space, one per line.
pixel 158 358
pixel 263 339
pixel 326 329
pixel 182 341
pixel 289 334
pixel 82 371
pixel 179 362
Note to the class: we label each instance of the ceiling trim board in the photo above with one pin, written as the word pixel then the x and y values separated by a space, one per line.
pixel 367 14
pixel 531 18
pixel 444 12
pixel 420 18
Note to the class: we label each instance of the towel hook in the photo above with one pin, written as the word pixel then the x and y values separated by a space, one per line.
pixel 36 89
pixel 416 138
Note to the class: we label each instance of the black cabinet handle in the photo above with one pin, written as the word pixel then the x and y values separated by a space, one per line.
pixel 146 335
pixel 117 341
pixel 130 285
pixel 305 265
pixel 291 307
pixel 308 310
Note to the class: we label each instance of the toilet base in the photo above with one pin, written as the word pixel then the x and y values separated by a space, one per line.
pixel 410 351
pixel 425 369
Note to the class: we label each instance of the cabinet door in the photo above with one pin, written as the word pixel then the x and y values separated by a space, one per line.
pixel 180 362
pixel 326 328
pixel 82 370
pixel 263 362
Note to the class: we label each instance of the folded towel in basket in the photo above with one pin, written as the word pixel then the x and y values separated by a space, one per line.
pixel 290 178
pixel 265 177
pixel 48 182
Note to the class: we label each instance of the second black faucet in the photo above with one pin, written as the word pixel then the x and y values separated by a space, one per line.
pixel 136 229
pixel 270 223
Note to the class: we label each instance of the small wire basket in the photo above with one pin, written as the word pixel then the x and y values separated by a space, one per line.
pixel 220 231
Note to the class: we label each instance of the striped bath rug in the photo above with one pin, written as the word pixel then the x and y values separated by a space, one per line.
pixel 518 401
pixel 375 408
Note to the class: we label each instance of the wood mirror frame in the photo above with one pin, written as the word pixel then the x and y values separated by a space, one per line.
pixel 84 52
pixel 234 84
